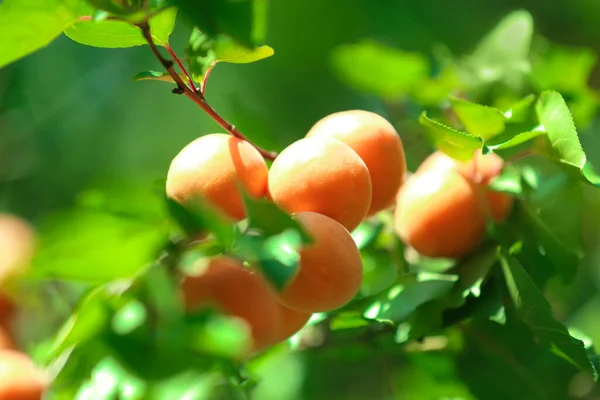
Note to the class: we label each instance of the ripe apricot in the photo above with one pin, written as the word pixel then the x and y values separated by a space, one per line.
pixel 210 168
pixel 17 244
pixel 20 379
pixel 291 322
pixel 376 141
pixel 330 270
pixel 322 175
pixel 225 284
pixel 439 213
pixel 6 340
pixel 481 169
pixel 7 308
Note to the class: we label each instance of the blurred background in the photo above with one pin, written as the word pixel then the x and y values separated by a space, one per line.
pixel 75 129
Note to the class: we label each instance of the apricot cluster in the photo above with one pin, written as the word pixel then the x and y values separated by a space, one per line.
pixel 20 378
pixel 443 208
pixel 349 166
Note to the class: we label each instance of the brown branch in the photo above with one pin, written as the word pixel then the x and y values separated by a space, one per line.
pixel 197 98
pixel 182 68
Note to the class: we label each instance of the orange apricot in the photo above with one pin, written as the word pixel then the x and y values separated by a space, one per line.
pixel 481 169
pixel 291 322
pixel 376 141
pixel 212 168
pixel 20 378
pixel 439 213
pixel 322 175
pixel 225 284
pixel 6 339
pixel 17 245
pixel 330 270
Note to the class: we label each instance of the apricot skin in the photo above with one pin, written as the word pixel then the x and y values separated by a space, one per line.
pixel 330 270
pixel 17 245
pixel 377 143
pixel 209 168
pixel 20 379
pixel 439 213
pixel 479 170
pixel 291 322
pixel 227 285
pixel 322 175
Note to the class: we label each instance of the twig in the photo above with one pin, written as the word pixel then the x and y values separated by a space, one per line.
pixel 205 77
pixel 183 69
pixel 197 98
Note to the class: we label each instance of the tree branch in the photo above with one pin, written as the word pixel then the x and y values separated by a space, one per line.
pixel 197 98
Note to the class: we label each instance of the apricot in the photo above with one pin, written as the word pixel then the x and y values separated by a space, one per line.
pixel 211 170
pixel 20 378
pixel 376 141
pixel 322 175
pixel 440 214
pixel 225 284
pixel 330 269
pixel 17 245
pixel 291 322
pixel 481 169
pixel 6 340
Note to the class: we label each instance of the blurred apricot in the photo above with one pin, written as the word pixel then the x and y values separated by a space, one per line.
pixel 20 378
pixel 17 245
pixel 440 214
pixel 291 322
pixel 6 339
pixel 7 308
pixel 322 175
pixel 330 270
pixel 481 169
pixel 225 284
pixel 376 141
pixel 209 170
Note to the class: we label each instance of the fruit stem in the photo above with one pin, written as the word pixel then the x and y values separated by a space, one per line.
pixel 195 95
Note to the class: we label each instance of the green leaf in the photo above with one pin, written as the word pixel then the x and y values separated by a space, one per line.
pixel 534 310
pixel 503 143
pixel 521 110
pixel 554 115
pixel 502 55
pixel 564 258
pixel 96 247
pixel 204 51
pixel 242 20
pixel 88 319
pixel 374 68
pixel 29 25
pixel 200 219
pixel 269 219
pixel 277 256
pixel 564 69
pixel 228 51
pixel 479 120
pixel 406 297
pixel 157 76
pixel 121 34
pixel 458 145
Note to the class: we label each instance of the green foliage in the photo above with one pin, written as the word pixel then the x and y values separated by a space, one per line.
pixel 533 309
pixel 29 25
pixel 205 51
pixel 122 34
pixel 426 326
pixel 380 70
pixel 242 20
pixel 459 145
